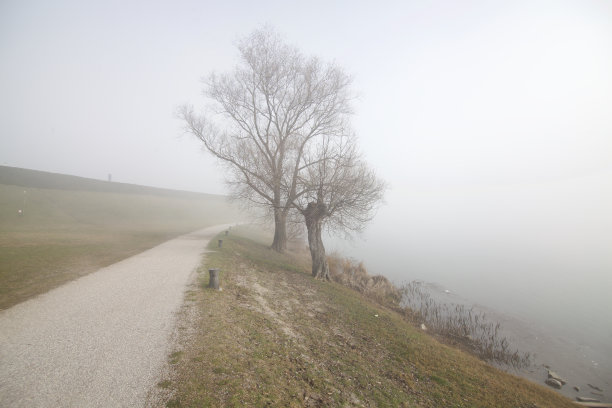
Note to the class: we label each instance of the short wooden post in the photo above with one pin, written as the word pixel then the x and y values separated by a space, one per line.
pixel 220 243
pixel 226 232
pixel 213 281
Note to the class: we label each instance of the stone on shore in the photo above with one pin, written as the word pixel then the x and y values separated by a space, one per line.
pixel 595 388
pixel 586 399
pixel 554 383
pixel 555 376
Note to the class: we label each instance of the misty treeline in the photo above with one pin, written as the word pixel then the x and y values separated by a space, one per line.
pixel 457 324
pixel 280 125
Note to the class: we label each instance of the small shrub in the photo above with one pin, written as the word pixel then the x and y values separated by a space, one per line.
pixel 353 274
pixel 458 323
pixel 462 324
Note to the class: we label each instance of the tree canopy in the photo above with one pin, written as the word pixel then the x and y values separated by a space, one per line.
pixel 339 191
pixel 266 115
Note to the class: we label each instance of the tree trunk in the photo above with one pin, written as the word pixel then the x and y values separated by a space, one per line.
pixel 314 215
pixel 279 243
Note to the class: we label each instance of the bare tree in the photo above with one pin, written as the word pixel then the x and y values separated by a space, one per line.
pixel 266 113
pixel 338 191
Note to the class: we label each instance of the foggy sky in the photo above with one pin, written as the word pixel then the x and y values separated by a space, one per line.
pixel 453 94
pixel 482 117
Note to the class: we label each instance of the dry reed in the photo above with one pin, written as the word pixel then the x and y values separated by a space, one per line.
pixel 453 322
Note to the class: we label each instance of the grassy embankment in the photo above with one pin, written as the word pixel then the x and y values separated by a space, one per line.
pixel 275 337
pixel 78 225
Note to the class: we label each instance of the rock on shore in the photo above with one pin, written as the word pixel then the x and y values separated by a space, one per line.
pixel 586 399
pixel 555 376
pixel 553 383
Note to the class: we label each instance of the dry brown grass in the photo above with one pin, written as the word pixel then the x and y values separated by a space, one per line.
pixel 63 235
pixel 353 274
pixel 461 325
pixel 455 324
pixel 276 337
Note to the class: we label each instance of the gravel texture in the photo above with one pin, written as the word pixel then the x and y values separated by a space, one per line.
pixel 101 340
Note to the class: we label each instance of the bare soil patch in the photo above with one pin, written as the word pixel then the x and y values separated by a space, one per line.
pixel 275 337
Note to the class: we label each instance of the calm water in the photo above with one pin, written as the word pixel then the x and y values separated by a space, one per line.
pixel 539 260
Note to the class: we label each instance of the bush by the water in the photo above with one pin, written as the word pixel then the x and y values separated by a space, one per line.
pixel 455 323
pixel 461 324
pixel 353 274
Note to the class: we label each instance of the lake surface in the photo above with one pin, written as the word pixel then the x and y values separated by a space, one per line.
pixel 574 357
pixel 538 258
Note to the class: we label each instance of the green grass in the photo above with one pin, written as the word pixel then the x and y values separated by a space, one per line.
pixel 64 234
pixel 276 337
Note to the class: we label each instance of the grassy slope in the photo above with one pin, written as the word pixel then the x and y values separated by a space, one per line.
pixel 276 337
pixel 66 233
pixel 41 179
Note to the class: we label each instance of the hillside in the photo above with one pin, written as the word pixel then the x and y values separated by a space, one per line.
pixel 41 179
pixel 275 337
pixel 70 226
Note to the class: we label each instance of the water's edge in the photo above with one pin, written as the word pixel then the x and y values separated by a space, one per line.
pixel 579 363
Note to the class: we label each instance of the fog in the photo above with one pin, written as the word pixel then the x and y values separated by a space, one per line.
pixel 540 251
pixel 536 257
pixel 491 122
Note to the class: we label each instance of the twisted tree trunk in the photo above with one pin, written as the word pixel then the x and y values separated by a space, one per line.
pixel 314 215
pixel 279 243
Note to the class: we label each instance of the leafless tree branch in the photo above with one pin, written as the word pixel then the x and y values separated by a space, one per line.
pixel 273 109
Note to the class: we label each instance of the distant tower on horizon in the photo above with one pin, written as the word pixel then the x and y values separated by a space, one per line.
pixel 110 177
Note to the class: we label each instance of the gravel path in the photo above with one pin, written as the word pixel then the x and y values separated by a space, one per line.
pixel 101 340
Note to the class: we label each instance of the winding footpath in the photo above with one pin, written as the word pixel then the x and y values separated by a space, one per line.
pixel 101 340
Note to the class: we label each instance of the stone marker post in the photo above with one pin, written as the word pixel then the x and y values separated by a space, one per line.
pixel 213 281
pixel 220 243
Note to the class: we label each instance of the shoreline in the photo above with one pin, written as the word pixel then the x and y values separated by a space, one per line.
pixel 578 363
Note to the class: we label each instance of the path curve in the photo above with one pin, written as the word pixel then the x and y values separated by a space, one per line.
pixel 101 340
